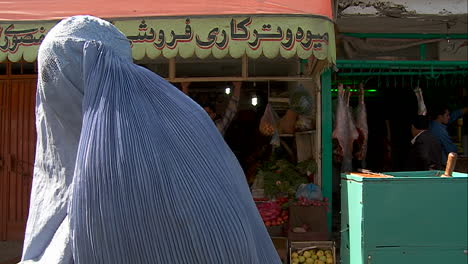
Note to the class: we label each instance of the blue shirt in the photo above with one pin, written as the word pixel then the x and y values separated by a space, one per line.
pixel 439 131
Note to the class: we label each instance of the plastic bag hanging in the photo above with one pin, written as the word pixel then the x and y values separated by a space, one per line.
pixel 269 125
pixel 300 100
pixel 269 121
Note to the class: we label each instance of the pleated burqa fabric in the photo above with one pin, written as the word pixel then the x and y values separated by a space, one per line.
pixel 129 169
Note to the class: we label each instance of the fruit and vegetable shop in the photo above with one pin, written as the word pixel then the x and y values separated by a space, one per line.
pixel 279 54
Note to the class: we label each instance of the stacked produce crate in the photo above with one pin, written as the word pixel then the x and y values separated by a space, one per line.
pixel 312 252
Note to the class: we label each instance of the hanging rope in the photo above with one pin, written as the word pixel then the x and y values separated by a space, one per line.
pixel 369 77
pixel 427 82
pixel 268 84
pixel 379 80
pixel 388 81
pixel 419 78
pixel 411 82
pixel 402 80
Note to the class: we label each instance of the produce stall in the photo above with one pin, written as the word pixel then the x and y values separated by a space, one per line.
pixel 404 217
pixel 257 43
pixel 292 207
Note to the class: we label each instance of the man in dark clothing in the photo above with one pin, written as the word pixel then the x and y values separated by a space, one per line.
pixel 425 150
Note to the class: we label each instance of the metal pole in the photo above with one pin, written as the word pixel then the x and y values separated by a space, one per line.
pixel 386 64
pixel 407 35
pixel 327 183
pixel 428 73
pixel 422 52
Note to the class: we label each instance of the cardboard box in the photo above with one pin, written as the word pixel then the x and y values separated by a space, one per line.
pixel 314 217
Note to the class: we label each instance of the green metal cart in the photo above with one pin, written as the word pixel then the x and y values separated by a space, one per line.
pixel 412 217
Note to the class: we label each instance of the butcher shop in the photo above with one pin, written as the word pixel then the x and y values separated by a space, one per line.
pixel 400 141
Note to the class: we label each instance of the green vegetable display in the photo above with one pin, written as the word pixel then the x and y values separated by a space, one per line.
pixel 281 177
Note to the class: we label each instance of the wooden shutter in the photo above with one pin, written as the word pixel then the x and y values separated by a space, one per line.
pixel 17 150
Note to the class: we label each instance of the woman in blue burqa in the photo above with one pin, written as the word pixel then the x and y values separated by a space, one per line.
pixel 129 169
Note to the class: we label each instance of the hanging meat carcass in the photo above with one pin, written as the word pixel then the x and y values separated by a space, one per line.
pixel 421 106
pixel 361 126
pixel 345 131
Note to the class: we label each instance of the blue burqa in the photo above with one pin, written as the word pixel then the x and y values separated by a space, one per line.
pixel 128 169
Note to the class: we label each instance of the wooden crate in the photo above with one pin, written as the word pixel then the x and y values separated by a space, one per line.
pixel 306 145
pixel 296 246
pixel 281 246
